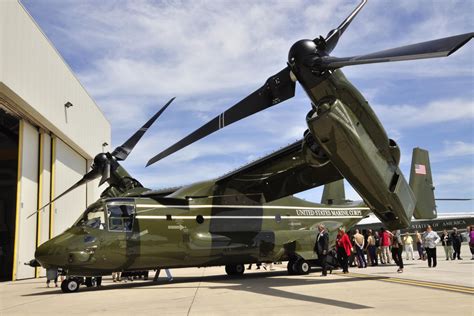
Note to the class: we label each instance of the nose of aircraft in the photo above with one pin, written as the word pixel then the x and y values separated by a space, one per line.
pixel 43 254
pixel 52 253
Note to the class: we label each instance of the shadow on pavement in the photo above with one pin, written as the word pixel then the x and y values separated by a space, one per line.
pixel 263 283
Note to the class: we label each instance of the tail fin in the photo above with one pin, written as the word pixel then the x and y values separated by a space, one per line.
pixel 421 183
pixel 334 193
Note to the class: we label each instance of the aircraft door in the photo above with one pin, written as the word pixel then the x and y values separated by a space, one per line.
pixel 265 242
pixel 119 246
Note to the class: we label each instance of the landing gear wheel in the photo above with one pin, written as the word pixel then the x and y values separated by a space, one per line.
pixel 291 267
pixel 302 266
pixel 239 269
pixel 90 282
pixel 70 285
pixel 235 269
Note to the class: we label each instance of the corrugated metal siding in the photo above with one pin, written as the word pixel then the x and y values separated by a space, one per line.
pixel 26 243
pixel 45 192
pixel 69 168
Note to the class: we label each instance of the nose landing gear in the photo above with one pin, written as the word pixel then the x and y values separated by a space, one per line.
pixel 72 284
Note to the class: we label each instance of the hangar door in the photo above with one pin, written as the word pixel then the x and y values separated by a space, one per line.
pixel 69 167
pixel 27 201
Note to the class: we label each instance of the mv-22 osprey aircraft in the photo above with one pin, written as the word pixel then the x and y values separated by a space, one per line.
pixel 250 215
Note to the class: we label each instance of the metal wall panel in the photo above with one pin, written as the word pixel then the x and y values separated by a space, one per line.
pixel 69 167
pixel 46 186
pixel 45 178
pixel 26 236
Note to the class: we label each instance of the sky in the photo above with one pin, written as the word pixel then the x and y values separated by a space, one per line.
pixel 133 56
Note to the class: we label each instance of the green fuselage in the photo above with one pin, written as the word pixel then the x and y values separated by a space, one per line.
pixel 193 234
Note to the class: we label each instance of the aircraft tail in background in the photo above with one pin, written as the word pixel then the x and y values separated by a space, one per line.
pixel 421 183
pixel 334 193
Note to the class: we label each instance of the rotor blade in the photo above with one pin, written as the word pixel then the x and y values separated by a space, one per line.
pixel 122 152
pixel 333 37
pixel 91 175
pixel 437 48
pixel 277 88
pixel 105 172
pixel 454 199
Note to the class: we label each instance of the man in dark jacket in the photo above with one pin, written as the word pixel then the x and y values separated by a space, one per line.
pixel 322 247
pixel 456 239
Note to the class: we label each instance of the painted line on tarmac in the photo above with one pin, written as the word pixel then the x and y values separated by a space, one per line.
pixel 460 287
pixel 433 285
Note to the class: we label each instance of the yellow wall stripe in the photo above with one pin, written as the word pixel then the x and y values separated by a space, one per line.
pixel 18 199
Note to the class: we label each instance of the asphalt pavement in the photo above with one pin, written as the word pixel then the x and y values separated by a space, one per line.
pixel 446 289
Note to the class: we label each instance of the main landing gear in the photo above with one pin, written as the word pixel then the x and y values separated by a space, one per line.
pixel 298 266
pixel 235 269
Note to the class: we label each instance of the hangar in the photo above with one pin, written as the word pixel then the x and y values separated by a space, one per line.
pixel 50 130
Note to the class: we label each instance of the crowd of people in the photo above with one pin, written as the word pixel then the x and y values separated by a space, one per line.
pixel 355 249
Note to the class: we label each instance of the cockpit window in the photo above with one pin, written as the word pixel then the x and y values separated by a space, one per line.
pixel 93 217
pixel 120 216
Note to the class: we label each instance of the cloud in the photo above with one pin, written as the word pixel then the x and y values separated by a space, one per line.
pixel 455 182
pixel 187 48
pixel 132 56
pixel 435 112
pixel 457 148
pixel 462 174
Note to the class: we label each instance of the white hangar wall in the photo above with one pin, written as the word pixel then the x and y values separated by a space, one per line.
pixel 71 167
pixel 56 143
pixel 28 186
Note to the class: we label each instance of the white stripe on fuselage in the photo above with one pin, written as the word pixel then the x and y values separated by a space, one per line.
pixel 173 217
pixel 275 207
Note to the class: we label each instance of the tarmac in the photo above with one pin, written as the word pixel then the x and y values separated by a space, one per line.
pixel 419 290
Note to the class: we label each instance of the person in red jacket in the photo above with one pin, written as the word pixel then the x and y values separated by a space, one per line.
pixel 385 242
pixel 343 246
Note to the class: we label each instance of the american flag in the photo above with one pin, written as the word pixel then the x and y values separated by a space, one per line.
pixel 420 169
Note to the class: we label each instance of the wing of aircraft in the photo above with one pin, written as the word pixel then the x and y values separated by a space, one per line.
pixel 282 173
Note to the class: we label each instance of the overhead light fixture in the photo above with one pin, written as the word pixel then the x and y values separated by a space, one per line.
pixel 68 105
